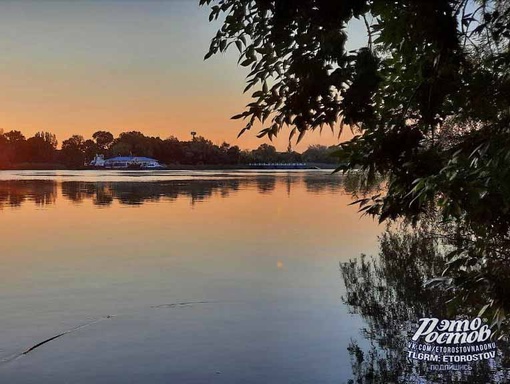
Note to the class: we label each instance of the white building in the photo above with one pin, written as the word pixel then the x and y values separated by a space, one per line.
pixel 133 162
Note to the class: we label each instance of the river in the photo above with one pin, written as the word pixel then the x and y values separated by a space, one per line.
pixel 177 276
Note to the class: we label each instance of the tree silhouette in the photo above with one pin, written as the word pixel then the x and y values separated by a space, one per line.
pixel 388 292
pixel 426 97
pixel 103 139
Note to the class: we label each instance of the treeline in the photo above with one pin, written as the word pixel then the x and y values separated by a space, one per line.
pixel 76 151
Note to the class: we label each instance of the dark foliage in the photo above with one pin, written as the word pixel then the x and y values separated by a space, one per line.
pixel 76 152
pixel 427 98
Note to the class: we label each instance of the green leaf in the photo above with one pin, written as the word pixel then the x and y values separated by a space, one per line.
pixel 239 46
pixel 246 62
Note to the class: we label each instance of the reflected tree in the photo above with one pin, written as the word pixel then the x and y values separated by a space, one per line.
pixel 266 185
pixel 360 185
pixel 390 294
pixel 333 184
pixel 74 191
pixel 13 193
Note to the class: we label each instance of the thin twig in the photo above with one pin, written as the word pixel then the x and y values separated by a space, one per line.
pixel 369 32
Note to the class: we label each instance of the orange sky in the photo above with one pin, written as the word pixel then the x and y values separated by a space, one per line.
pixel 78 67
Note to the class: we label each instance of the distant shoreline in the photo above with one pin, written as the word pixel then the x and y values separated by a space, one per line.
pixel 174 167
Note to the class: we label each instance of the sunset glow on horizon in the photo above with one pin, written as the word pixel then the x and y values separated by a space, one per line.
pixel 79 67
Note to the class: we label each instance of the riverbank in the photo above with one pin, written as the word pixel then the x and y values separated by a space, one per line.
pixel 175 167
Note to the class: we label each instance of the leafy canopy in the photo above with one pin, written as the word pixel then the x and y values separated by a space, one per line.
pixel 427 96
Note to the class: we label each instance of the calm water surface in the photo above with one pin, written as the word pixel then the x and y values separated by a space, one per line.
pixel 177 276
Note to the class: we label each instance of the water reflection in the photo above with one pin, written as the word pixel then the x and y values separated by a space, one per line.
pixel 266 262
pixel 266 185
pixel 327 185
pixel 44 192
pixel 14 192
pixel 390 295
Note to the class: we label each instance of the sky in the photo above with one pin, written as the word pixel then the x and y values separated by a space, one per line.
pixel 76 67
